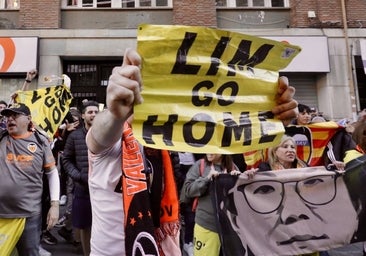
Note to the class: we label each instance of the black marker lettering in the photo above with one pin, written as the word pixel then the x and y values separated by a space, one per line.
pixel 149 129
pixel 180 66
pixel 199 120
pixel 241 57
pixel 232 128
pixel 216 55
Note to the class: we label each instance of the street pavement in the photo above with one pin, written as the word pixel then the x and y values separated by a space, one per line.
pixel 62 248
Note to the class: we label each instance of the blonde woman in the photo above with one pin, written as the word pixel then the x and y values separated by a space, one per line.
pixel 283 156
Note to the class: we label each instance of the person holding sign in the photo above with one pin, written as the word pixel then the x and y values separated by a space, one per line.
pixel 105 149
pixel 206 239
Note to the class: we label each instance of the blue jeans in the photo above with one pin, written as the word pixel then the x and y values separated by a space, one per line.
pixel 29 241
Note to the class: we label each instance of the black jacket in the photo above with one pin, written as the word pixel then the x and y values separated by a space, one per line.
pixel 341 143
pixel 75 160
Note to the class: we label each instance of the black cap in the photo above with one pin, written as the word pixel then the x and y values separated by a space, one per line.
pixel 19 108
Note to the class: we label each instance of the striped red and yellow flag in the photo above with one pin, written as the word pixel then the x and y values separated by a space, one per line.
pixel 311 143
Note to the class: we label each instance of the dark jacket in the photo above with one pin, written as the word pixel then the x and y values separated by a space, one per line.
pixel 75 160
pixel 341 142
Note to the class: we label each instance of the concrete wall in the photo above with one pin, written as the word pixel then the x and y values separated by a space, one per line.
pixel 9 19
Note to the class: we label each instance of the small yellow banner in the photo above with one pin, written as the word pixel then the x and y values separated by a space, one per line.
pixel 48 106
pixel 208 90
pixel 10 232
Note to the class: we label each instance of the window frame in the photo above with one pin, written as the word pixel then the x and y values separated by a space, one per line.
pixel 3 5
pixel 267 4
pixel 114 4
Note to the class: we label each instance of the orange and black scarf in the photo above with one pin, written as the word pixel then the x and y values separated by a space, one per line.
pixel 150 197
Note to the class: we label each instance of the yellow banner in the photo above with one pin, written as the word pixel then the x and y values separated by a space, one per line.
pixel 10 232
pixel 208 90
pixel 48 106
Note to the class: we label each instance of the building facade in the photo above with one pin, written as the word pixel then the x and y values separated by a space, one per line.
pixel 85 39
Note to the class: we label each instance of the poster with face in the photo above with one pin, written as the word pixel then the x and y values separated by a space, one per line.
pixel 290 212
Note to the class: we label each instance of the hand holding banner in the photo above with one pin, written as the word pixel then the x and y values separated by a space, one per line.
pixel 208 90
pixel 48 106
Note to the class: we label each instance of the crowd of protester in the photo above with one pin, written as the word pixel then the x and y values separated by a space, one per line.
pixel 88 223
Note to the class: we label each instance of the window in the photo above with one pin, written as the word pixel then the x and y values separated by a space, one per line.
pixel 103 3
pixel 278 3
pixel 89 78
pixel 82 74
pixel 115 3
pixel 9 4
pixel 253 3
pixel 258 3
pixel 242 3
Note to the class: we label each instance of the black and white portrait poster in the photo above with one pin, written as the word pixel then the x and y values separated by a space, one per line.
pixel 292 211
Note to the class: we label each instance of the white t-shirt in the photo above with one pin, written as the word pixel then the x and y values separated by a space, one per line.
pixel 107 235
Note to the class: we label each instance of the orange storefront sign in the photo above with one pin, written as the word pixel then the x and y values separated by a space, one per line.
pixel 18 54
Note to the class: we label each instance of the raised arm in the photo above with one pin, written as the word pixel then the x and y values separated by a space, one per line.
pixel 123 92
pixel 286 108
